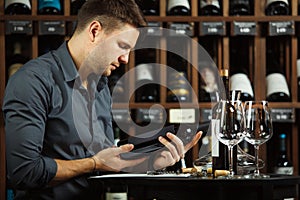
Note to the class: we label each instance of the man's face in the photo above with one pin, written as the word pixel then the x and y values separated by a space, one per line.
pixel 113 49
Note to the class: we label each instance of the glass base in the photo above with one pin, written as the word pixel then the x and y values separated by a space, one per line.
pixel 256 176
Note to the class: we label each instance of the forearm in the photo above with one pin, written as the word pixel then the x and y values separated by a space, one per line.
pixel 67 169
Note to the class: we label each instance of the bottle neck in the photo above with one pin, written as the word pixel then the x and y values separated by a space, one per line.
pixel 25 2
pixel 17 48
pixel 269 2
pixel 282 146
pixel 49 4
pixel 176 3
pixel 224 74
pixel 214 3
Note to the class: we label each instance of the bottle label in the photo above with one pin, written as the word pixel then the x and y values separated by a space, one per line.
pixel 116 195
pixel 276 82
pixel 241 82
pixel 215 127
pixel 210 2
pixel 284 170
pixel 209 78
pixel 49 3
pixel 174 3
pixel 298 68
pixel 26 2
pixel 144 72
pixel 272 1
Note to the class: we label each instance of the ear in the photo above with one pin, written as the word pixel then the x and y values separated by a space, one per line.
pixel 94 30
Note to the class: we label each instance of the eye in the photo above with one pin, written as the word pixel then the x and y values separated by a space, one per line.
pixel 123 45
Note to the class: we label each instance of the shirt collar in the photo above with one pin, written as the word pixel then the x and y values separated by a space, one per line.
pixel 66 63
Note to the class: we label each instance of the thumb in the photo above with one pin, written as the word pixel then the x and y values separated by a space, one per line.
pixel 125 148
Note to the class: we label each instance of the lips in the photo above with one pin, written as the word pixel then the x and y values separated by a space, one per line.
pixel 114 66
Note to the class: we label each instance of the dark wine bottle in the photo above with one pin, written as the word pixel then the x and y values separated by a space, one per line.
pixel 283 164
pixel 219 150
pixel 277 7
pixel 179 87
pixel 208 84
pixel 298 77
pixel 239 68
pixel 277 87
pixel 76 5
pixel 49 42
pixel 49 7
pixel 178 8
pixel 116 85
pixel 17 7
pixel 240 7
pixel 150 7
pixel 16 60
pixel 209 8
pixel 146 88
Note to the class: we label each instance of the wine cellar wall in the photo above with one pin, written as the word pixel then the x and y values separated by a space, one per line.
pixel 256 44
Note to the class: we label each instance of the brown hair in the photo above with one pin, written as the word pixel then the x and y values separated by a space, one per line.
pixel 112 14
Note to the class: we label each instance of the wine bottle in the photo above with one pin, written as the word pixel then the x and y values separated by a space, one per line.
pixel 239 68
pixel 146 90
pixel 17 7
pixel 208 84
pixel 15 61
pixel 219 150
pixel 209 8
pixel 116 85
pixel 150 7
pixel 49 42
pixel 179 87
pixel 178 8
pixel 277 7
pixel 49 7
pixel 240 81
pixel 298 77
pixel 76 5
pixel 277 87
pixel 240 7
pixel 283 164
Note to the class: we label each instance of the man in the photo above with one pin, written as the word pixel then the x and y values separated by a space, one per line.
pixel 57 109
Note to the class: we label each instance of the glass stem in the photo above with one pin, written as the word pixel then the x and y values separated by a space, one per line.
pixel 256 172
pixel 230 151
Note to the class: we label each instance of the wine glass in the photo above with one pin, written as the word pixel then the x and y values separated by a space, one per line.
pixel 229 126
pixel 258 129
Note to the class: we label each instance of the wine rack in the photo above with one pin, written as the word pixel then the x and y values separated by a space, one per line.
pixel 214 32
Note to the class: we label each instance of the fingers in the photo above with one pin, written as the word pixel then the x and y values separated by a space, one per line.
pixel 178 142
pixel 194 141
pixel 175 153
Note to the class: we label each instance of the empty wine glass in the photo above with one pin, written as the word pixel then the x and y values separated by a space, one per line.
pixel 229 126
pixel 258 129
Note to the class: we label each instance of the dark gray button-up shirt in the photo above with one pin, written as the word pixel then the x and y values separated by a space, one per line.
pixel 48 114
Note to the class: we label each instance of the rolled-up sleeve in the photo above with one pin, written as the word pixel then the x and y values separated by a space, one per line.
pixel 25 112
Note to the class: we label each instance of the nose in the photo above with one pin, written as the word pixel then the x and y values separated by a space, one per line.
pixel 124 58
